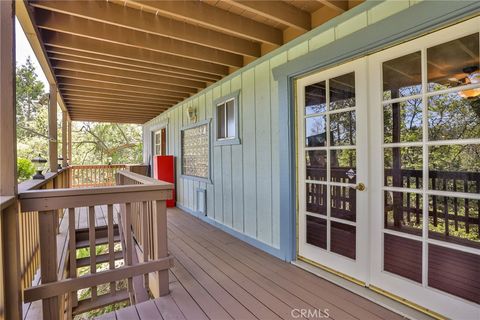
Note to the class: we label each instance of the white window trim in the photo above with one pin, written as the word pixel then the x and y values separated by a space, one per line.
pixel 235 96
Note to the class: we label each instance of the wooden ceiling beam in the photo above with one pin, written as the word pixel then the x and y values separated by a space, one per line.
pixel 70 99
pixel 73 90
pixel 132 75
pixel 118 88
pixel 114 98
pixel 64 23
pixel 129 66
pixel 68 41
pixel 130 112
pixel 338 5
pixel 113 115
pixel 107 118
pixel 208 16
pixel 123 16
pixel 127 82
pixel 278 11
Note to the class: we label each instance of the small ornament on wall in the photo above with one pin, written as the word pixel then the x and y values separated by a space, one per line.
pixel 192 114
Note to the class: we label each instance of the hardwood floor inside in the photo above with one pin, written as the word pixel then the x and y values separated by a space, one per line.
pixel 217 276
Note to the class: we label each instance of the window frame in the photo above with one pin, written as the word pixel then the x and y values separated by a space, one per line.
pixel 235 97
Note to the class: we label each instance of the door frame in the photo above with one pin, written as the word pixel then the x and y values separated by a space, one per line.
pixel 151 134
pixel 355 270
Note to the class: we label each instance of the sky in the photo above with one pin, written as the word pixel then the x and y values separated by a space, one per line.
pixel 24 50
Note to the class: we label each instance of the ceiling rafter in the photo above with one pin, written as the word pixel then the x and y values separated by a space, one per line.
pixel 114 98
pixel 211 17
pixel 69 89
pixel 69 41
pixel 120 88
pixel 338 5
pixel 133 75
pixel 126 17
pixel 126 82
pixel 281 12
pixel 64 23
pixel 125 67
pixel 115 103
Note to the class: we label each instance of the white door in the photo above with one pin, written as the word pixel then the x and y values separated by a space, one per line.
pixel 332 169
pixel 425 171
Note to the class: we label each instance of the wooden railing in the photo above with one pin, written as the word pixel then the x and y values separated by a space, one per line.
pixel 29 236
pixel 58 245
pixel 83 176
pixel 98 175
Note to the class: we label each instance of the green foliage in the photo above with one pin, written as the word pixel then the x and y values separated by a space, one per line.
pixel 25 169
pixel 93 143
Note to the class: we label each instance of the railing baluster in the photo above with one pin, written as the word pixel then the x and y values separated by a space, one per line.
pixel 111 245
pixel 93 253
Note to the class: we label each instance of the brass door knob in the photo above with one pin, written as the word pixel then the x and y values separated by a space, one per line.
pixel 360 187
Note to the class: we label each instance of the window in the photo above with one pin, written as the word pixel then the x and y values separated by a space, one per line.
pixel 195 144
pixel 160 142
pixel 226 120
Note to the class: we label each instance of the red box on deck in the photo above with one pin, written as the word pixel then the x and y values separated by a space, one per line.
pixel 164 169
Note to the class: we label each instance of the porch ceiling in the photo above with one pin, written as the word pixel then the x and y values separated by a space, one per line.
pixel 130 60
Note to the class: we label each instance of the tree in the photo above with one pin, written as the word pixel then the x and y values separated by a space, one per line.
pixel 93 143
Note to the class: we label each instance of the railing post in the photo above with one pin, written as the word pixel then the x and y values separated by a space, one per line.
pixel 160 243
pixel 48 260
pixel 10 278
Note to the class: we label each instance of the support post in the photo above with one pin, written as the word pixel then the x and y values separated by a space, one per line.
pixel 69 133
pixel 48 260
pixel 160 244
pixel 10 283
pixel 64 138
pixel 52 129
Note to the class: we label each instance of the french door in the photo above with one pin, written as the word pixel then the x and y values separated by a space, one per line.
pixel 332 169
pixel 425 181
pixel 406 222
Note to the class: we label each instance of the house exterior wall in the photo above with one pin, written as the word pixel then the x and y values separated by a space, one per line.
pixel 247 179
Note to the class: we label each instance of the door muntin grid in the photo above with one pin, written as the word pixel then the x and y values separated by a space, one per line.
pixel 329 128
pixel 431 152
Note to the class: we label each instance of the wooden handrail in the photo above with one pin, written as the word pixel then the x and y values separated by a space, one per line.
pixel 132 189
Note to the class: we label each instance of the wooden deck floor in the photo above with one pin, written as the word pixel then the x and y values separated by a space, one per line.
pixel 217 276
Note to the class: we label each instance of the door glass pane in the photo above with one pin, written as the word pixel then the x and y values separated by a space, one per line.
pixel 450 116
pixel 454 168
pixel 343 203
pixel 343 128
pixel 403 167
pixel 402 77
pixel 342 91
pixel 403 257
pixel 317 232
pixel 315 131
pixel 402 121
pixel 343 239
pixel 343 166
pixel 315 98
pixel 403 212
pixel 454 220
pixel 230 119
pixel 316 198
pixel 316 165
pixel 453 63
pixel 221 121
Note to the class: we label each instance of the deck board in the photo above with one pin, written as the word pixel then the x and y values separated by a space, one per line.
pixel 217 276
